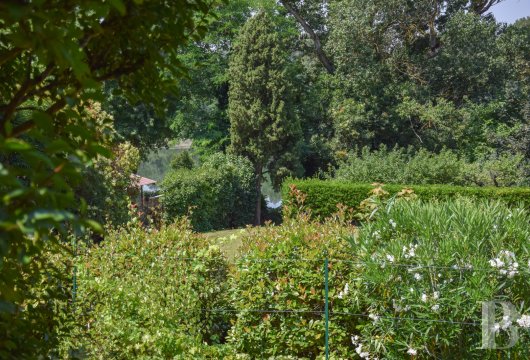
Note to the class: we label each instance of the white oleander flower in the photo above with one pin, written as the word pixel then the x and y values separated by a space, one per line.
pixel 424 297
pixel 506 322
pixel 374 317
pixel 412 352
pixel 496 327
pixel 524 321
pixel 435 308
pixel 506 263
pixel 410 251
pixel 436 295
pixel 344 292
pixel 390 258
pixel 417 276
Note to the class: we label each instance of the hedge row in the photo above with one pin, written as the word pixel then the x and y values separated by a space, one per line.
pixel 324 195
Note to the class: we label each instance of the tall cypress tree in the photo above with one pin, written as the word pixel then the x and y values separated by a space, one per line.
pixel 262 127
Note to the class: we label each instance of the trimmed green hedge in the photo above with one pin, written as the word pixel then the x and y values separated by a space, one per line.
pixel 324 195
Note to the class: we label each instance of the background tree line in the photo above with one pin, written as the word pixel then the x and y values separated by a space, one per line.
pixel 356 76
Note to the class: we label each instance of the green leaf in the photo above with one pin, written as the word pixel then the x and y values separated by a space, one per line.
pixel 54 215
pixel 94 225
pixel 16 145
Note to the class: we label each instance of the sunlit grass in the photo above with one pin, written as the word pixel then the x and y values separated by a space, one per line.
pixel 229 241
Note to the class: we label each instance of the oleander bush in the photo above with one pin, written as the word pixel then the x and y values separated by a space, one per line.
pixel 220 193
pixel 324 195
pixel 143 292
pixel 437 261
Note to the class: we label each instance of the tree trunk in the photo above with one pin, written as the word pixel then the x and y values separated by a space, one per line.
pixel 259 176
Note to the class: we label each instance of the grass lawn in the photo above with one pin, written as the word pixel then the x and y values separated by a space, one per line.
pixel 228 240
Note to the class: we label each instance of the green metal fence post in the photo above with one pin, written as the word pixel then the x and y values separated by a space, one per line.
pixel 326 305
pixel 74 277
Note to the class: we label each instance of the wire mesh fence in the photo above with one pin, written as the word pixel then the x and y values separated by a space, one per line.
pixel 328 291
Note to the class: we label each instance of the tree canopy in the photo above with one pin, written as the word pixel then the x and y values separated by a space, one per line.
pixel 54 57
pixel 262 125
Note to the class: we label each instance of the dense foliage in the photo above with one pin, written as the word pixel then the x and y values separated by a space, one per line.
pixel 438 261
pixel 426 74
pixel 367 72
pixel 54 57
pixel 106 185
pixel 182 160
pixel 323 196
pixel 293 88
pixel 261 127
pixel 281 269
pixel 406 166
pixel 393 284
pixel 141 294
pixel 218 194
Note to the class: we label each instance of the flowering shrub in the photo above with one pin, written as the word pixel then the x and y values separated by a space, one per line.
pixel 281 270
pixel 141 294
pixel 428 268
pixel 407 284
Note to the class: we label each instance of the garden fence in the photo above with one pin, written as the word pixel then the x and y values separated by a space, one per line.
pixel 326 311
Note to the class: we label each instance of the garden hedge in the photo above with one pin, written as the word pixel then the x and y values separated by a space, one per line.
pixel 221 193
pixel 324 195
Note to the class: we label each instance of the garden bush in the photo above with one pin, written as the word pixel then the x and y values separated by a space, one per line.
pixel 34 328
pixel 281 269
pixel 407 166
pixel 324 195
pixel 220 193
pixel 107 185
pixel 435 262
pixel 182 160
pixel 142 294
pixel 408 284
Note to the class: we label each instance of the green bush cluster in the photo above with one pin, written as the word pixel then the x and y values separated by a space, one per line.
pixel 409 280
pixel 322 196
pixel 182 160
pixel 407 166
pixel 141 294
pixel 33 329
pixel 281 269
pixel 219 194
pixel 437 261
